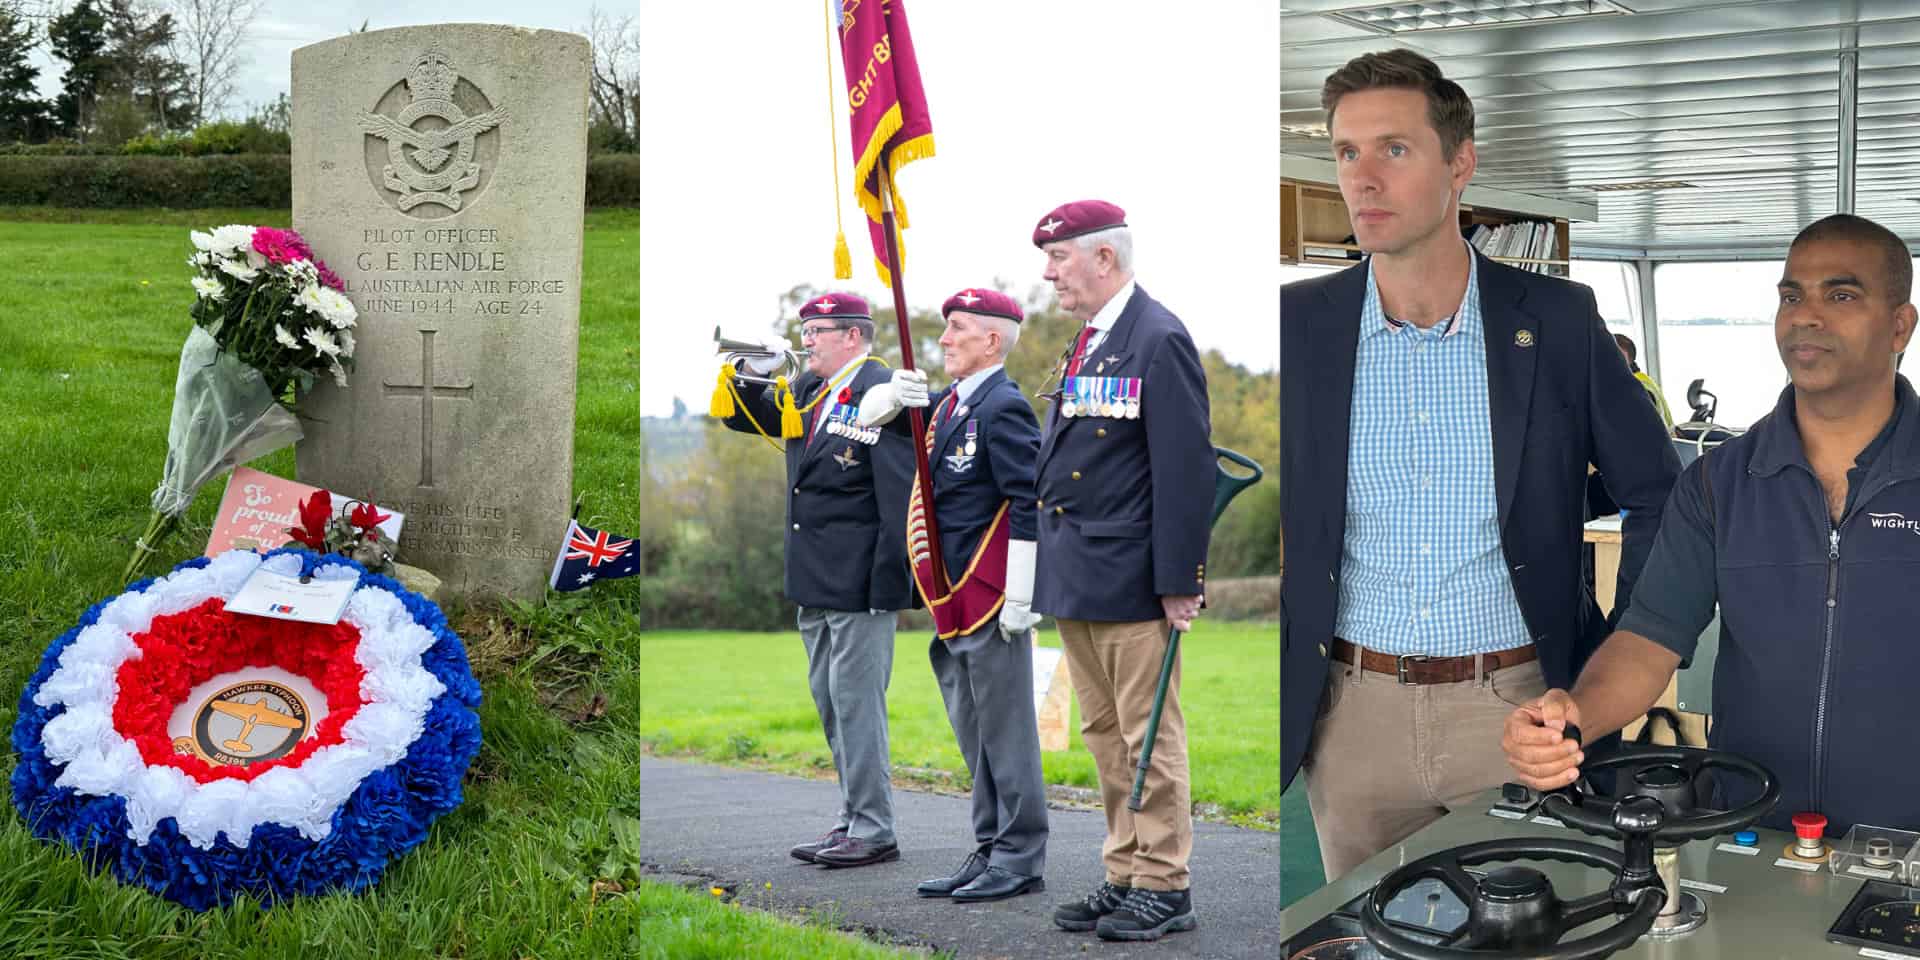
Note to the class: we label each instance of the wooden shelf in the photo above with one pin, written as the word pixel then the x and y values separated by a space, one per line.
pixel 1315 215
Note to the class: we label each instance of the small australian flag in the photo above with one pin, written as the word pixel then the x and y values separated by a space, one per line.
pixel 589 555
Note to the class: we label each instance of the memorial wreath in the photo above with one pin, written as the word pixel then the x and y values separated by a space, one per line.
pixel 204 754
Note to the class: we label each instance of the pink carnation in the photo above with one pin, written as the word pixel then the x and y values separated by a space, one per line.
pixel 280 246
pixel 328 278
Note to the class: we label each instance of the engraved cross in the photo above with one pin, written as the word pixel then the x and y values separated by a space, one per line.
pixel 428 391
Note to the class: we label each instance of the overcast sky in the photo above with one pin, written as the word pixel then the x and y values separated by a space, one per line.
pixel 287 24
pixel 1169 110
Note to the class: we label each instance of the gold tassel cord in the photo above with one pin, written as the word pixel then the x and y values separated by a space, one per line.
pixel 727 397
pixel 842 260
pixel 721 405
pixel 790 427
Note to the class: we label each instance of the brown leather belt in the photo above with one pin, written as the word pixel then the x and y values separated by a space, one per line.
pixel 1417 669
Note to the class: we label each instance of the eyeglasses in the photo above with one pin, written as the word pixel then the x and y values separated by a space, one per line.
pixel 810 333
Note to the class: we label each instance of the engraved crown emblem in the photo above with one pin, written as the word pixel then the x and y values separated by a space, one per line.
pixel 433 76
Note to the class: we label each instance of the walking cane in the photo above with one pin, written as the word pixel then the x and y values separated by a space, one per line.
pixel 1225 487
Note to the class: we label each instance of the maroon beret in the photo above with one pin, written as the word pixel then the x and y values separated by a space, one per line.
pixel 836 305
pixel 1073 219
pixel 979 300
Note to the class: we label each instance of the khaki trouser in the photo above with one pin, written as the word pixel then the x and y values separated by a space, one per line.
pixel 1387 759
pixel 1115 668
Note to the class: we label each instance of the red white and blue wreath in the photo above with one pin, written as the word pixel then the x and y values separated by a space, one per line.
pixel 204 754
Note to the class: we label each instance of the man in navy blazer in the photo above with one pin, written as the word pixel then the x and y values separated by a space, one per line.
pixel 983 444
pixel 846 563
pixel 1439 411
pixel 1125 490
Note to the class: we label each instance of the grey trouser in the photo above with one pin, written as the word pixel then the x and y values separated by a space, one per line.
pixel 849 661
pixel 987 683
pixel 1387 758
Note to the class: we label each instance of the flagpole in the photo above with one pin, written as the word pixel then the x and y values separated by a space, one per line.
pixel 923 474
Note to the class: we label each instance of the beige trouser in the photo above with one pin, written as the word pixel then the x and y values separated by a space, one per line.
pixel 1388 759
pixel 1115 668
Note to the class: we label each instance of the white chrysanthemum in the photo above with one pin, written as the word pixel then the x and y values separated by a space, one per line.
pixel 329 305
pixel 209 288
pixel 302 273
pixel 284 338
pixel 201 241
pixel 232 238
pixel 345 337
pixel 340 311
pixel 322 341
pixel 339 375
pixel 237 269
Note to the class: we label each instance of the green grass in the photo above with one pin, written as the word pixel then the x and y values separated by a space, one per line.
pixel 684 925
pixel 543 858
pixel 742 698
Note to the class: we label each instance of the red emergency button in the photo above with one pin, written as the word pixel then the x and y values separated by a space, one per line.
pixel 1811 829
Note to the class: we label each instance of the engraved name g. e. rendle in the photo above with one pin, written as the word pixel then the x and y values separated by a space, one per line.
pixel 433 146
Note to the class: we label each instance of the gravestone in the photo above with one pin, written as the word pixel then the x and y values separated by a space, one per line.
pixel 441 172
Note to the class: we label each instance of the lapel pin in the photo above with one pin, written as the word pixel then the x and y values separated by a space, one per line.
pixel 1523 338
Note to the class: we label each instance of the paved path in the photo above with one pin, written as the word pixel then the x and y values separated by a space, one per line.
pixel 733 827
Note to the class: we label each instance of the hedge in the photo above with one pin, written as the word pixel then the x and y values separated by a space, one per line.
pixel 246 180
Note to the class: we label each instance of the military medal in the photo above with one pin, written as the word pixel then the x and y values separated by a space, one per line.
pixel 973 431
pixel 1067 389
pixel 1133 399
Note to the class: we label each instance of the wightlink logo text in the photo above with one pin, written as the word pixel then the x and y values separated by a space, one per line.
pixel 1893 521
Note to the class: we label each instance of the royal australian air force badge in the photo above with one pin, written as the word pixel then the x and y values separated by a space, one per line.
pixel 434 149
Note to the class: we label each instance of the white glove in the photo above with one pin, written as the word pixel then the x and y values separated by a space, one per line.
pixel 884 401
pixel 777 346
pixel 910 387
pixel 1016 615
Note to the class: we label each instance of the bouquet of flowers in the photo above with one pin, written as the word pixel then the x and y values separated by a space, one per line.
pixel 269 319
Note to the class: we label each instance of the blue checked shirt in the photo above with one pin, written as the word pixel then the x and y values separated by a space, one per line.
pixel 1421 570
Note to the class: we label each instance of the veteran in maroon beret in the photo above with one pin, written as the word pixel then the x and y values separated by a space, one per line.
pixel 982 443
pixel 846 563
pixel 1124 488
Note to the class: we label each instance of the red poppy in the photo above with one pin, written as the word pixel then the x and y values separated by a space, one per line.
pixel 846 394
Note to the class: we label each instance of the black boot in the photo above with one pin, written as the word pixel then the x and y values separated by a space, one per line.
pixel 1084 913
pixel 1146 914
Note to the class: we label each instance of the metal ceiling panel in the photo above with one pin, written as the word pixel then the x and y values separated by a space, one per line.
pixel 1738 98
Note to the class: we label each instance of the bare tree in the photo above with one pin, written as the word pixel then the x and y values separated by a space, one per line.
pixel 208 36
pixel 615 84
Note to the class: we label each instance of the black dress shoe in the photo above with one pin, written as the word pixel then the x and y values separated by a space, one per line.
pixel 1082 914
pixel 998 884
pixel 854 852
pixel 807 851
pixel 973 866
pixel 1146 914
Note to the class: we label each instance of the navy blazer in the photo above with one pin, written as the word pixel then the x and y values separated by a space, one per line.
pixel 846 517
pixel 1560 396
pixel 1125 504
pixel 968 489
